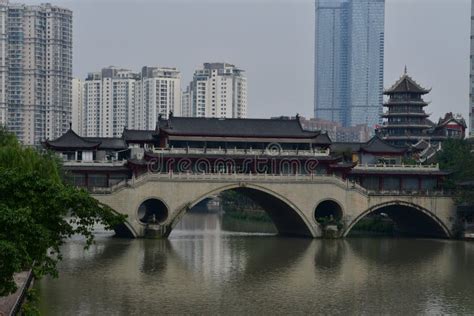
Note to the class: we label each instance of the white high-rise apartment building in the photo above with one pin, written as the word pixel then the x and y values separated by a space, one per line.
pixel 78 106
pixel 3 62
pixel 109 102
pixel 217 90
pixel 159 93
pixel 115 99
pixel 186 109
pixel 35 70
pixel 471 86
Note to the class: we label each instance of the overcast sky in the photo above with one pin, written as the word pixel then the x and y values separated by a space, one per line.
pixel 273 41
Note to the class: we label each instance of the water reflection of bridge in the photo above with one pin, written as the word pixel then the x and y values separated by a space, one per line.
pixel 399 276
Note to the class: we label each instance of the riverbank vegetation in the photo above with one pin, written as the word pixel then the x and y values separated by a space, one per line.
pixel 239 206
pixel 457 156
pixel 34 204
pixel 374 225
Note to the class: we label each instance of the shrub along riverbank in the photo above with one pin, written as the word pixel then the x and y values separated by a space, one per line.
pixel 375 224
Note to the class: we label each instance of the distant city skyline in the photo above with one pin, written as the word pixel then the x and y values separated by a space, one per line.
pixel 431 37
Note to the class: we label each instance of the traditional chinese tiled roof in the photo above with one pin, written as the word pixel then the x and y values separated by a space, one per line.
pixel 422 144
pixel 101 168
pixel 322 139
pixel 378 145
pixel 407 171
pixel 115 143
pixel 406 84
pixel 234 127
pixel 131 135
pixel 448 118
pixel 374 145
pixel 71 140
pixel 343 165
pixel 340 147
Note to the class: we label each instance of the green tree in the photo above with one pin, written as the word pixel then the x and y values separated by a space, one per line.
pixel 38 211
pixel 457 157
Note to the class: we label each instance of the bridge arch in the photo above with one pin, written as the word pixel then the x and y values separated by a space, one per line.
pixel 125 229
pixel 287 217
pixel 412 218
pixel 326 208
pixel 152 209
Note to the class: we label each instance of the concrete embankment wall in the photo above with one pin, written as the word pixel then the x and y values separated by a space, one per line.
pixel 11 304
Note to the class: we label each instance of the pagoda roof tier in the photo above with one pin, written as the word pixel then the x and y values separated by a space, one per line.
pixel 405 114
pixel 403 137
pixel 235 127
pixel 407 125
pixel 406 84
pixel 392 102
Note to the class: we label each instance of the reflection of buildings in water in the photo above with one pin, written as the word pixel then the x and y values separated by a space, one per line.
pixel 104 248
pixel 330 255
pixel 372 267
pixel 352 276
pixel 155 256
pixel 204 246
pixel 231 224
pixel 198 222
pixel 208 205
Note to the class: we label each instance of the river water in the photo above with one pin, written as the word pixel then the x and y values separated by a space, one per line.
pixel 204 269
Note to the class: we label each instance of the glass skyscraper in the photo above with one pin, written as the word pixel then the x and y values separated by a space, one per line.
pixel 349 56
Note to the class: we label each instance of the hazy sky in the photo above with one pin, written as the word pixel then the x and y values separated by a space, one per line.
pixel 273 41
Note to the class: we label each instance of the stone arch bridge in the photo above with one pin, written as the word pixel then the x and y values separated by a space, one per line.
pixel 292 202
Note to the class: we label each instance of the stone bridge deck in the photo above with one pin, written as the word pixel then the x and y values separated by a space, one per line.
pixel 290 200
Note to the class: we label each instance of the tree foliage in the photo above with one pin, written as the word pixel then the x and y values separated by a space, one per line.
pixel 457 156
pixel 234 199
pixel 38 212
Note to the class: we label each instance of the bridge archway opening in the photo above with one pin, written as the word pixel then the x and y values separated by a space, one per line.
pixel 124 231
pixel 285 218
pixel 152 210
pixel 328 210
pixel 407 220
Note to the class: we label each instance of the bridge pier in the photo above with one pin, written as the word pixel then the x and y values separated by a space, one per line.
pixel 157 231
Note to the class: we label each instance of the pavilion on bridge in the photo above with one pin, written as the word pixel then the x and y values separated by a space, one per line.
pixel 215 145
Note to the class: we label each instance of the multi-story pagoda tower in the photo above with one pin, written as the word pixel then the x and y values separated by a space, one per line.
pixel 406 119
